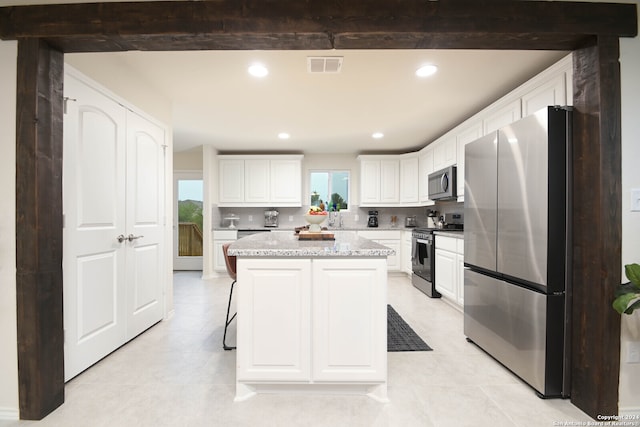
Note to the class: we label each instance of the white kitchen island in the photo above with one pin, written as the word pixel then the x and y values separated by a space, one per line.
pixel 312 315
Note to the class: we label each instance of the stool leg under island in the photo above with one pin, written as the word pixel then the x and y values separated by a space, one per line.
pixel 312 315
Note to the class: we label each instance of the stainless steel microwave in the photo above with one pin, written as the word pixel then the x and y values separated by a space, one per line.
pixel 442 184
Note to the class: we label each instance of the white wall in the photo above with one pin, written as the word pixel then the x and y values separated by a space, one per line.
pixel 189 160
pixel 111 72
pixel 629 402
pixel 8 326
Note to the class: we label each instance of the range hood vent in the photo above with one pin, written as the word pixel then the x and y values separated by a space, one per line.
pixel 324 64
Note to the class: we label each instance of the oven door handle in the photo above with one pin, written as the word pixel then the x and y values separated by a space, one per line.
pixel 426 242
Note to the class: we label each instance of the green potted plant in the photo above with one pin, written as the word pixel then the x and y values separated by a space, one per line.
pixel 628 294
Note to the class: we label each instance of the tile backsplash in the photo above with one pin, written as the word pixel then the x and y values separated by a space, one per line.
pixel 355 217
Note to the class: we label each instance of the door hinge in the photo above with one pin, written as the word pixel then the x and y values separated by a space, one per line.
pixel 64 106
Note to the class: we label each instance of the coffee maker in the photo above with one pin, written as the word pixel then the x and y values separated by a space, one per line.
pixel 271 218
pixel 373 219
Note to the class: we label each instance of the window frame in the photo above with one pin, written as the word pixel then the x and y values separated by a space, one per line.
pixel 331 172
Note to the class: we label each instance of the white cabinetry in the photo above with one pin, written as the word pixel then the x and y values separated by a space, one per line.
pixel 261 181
pixel 349 325
pixel 220 237
pixel 274 296
pixel 444 153
pixel 409 179
pixel 309 321
pixel 449 265
pixel 503 116
pixel 379 180
pixel 390 239
pixel 256 181
pixel 286 179
pixel 466 136
pixel 552 92
pixel 231 179
pixel 425 164
pixel 406 254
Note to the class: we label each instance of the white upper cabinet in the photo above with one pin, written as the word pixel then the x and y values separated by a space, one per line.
pixel 379 180
pixel 231 180
pixel 286 180
pixel 261 181
pixel 463 138
pixel 553 92
pixel 503 116
pixel 409 179
pixel 425 167
pixel 444 153
pixel 256 181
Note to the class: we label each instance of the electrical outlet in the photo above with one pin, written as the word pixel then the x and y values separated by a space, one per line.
pixel 290 218
pixel 250 218
pixel 356 217
pixel 633 352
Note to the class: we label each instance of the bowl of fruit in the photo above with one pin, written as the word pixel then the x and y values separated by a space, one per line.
pixel 315 216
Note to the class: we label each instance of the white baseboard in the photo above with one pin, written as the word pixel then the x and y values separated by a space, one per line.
pixel 632 413
pixel 9 414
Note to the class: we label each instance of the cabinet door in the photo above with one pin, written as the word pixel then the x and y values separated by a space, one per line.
pixel 463 138
pixel 409 180
pixel 460 279
pixel 446 274
pixel 286 178
pixel 389 181
pixel 553 92
pixel 231 181
pixel 444 153
pixel 426 167
pixel 256 181
pixel 274 320
pixel 350 320
pixel 393 261
pixel 369 182
pixel 503 117
pixel 406 253
pixel 219 263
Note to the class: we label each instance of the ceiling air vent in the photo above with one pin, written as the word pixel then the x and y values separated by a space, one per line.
pixel 324 64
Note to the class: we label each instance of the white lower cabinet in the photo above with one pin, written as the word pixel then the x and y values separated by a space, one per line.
pixel 220 237
pixel 390 239
pixel 274 324
pixel 310 321
pixel 406 254
pixel 449 266
pixel 349 320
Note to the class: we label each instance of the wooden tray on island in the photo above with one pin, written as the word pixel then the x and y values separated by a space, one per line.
pixel 310 235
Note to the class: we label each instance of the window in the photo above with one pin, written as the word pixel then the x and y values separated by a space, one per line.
pixel 329 188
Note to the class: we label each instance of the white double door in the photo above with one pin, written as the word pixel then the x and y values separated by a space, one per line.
pixel 113 198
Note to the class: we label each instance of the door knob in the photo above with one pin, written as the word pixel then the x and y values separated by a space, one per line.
pixel 131 237
pixel 121 238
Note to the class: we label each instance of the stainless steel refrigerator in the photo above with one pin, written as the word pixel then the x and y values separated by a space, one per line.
pixel 517 248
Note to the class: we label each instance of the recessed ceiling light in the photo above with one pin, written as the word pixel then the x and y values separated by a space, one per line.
pixel 377 135
pixel 426 70
pixel 258 70
pixel 284 135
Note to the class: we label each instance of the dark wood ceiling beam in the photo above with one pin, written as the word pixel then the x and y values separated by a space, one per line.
pixel 294 24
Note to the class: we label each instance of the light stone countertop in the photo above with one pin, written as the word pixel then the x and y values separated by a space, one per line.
pixel 346 244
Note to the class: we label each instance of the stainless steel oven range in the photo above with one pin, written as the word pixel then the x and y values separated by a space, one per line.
pixel 423 261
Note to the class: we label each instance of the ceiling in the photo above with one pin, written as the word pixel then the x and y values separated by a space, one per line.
pixel 215 100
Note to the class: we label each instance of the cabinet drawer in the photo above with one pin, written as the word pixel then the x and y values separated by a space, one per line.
pixel 380 234
pixel 446 243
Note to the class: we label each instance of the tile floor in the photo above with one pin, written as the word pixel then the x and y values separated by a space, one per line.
pixel 177 374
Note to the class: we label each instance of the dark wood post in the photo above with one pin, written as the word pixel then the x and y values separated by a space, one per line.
pixel 597 221
pixel 39 228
